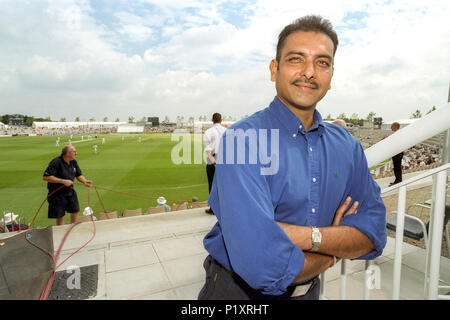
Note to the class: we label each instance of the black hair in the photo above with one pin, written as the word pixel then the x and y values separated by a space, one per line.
pixel 307 23
pixel 216 118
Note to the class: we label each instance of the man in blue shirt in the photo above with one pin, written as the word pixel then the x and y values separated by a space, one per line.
pixel 284 185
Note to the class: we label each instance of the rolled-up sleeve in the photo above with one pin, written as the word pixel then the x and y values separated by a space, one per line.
pixel 51 169
pixel 371 216
pixel 77 169
pixel 258 249
pixel 207 141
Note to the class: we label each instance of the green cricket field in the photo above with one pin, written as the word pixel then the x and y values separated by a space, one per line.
pixel 134 168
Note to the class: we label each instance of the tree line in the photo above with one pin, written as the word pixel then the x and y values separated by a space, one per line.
pixel 27 120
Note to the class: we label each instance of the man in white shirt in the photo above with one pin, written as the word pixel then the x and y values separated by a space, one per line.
pixel 211 141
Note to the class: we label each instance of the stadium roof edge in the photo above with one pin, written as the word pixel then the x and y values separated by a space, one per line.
pixel 401 121
pixel 80 123
pixel 210 122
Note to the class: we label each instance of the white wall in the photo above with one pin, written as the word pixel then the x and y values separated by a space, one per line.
pixel 56 124
pixel 124 128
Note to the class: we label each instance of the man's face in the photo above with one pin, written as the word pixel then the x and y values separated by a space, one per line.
pixel 303 75
pixel 72 153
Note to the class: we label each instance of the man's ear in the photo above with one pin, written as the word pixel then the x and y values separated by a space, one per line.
pixel 273 70
pixel 332 73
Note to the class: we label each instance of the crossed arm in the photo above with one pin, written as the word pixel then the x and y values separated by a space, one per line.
pixel 337 241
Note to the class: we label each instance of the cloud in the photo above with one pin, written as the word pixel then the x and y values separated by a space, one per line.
pixel 396 63
pixel 134 27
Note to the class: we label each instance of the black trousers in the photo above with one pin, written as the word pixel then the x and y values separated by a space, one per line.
pixel 210 169
pixel 222 284
pixel 397 161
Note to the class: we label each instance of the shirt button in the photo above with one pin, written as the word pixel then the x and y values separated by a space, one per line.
pixel 310 149
pixel 314 180
pixel 300 127
pixel 294 135
pixel 313 210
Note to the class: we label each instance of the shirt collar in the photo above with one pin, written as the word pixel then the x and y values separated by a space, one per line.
pixel 62 159
pixel 293 124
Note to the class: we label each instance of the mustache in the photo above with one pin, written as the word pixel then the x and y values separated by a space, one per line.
pixel 306 81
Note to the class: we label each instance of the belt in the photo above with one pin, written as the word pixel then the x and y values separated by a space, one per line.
pixel 298 289
pixel 301 289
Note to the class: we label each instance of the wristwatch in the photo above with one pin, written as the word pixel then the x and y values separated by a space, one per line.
pixel 316 237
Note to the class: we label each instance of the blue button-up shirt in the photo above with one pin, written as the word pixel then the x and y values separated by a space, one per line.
pixel 308 177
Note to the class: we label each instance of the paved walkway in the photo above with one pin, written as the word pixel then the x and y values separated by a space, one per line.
pixel 160 256
pixel 157 256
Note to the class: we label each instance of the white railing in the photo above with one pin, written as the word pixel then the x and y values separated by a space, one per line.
pixel 423 129
pixel 435 232
pixel 432 124
pixel 434 243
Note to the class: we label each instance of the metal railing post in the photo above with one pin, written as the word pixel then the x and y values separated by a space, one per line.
pixel 398 242
pixel 446 148
pixel 436 236
pixel 343 284
pixel 430 231
pixel 322 286
pixel 367 275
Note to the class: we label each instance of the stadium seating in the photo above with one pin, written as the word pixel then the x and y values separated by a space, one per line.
pixel 151 210
pixel 132 213
pixel 200 204
pixel 83 218
pixel 182 206
pixel 107 215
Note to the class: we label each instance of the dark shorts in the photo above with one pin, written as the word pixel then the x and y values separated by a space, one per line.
pixel 59 204
pixel 222 284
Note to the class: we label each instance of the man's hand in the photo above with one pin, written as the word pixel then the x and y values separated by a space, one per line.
pixel 67 182
pixel 210 157
pixel 340 212
pixel 88 183
pixel 85 182
pixel 339 241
